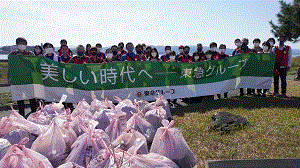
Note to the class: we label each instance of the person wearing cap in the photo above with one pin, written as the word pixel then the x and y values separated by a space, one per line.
pixel 283 61
pixel 238 44
pixel 256 43
pixel 21 51
pixel 180 52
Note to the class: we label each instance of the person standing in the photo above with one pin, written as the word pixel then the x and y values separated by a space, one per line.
pixel 64 42
pixel 154 56
pixel 80 58
pixel 130 56
pixel 49 52
pixel 88 50
pixel 283 61
pixel 256 43
pixel 238 44
pixel 166 57
pixel 38 51
pixel 121 47
pixel 21 51
pixel 65 54
pixel 272 43
pixel 199 54
pixel 266 49
pixel 222 55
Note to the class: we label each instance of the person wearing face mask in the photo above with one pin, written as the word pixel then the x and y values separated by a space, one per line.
pixel 283 61
pixel 100 54
pixel 256 43
pixel 140 53
pixel 130 55
pixel 199 55
pixel 238 44
pixel 121 47
pixel 80 58
pixel 21 51
pixel 94 58
pixel 181 52
pixel 49 52
pixel 154 56
pixel 166 57
pixel 38 51
pixel 222 55
pixel 64 42
pixel 266 47
pixel 186 57
pixel 272 43
pixel 213 49
pixel 65 57
pixel 88 50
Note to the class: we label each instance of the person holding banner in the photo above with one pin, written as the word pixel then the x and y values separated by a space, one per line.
pixel 21 51
pixel 130 56
pixel 65 56
pixel 272 43
pixel 93 58
pixel 222 55
pixel 166 57
pixel 65 43
pixel 49 52
pixel 213 48
pixel 140 53
pixel 186 57
pixel 256 43
pixel 121 47
pixel 283 61
pixel 100 54
pixel 116 57
pixel 180 50
pixel 80 58
pixel 266 49
pixel 148 52
pixel 154 57
pixel 198 55
pixel 238 44
pixel 38 51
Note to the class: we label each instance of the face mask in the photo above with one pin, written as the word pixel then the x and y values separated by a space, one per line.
pixel 172 57
pixel 49 50
pixel 119 52
pixel 186 52
pixel 115 52
pixel 99 48
pixel 93 53
pixel 181 50
pixel 153 54
pixel 256 44
pixel 196 57
pixel 244 45
pixel 213 49
pixel 109 55
pixel 80 53
pixel 265 48
pixel 139 51
pixel 271 43
pixel 199 49
pixel 37 50
pixel 238 44
pixel 222 50
pixel 144 48
pixel 168 51
pixel 130 48
pixel 208 57
pixel 21 47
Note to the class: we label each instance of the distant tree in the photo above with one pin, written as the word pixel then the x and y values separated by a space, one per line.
pixel 288 21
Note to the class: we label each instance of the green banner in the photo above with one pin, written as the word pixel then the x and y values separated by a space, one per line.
pixel 27 70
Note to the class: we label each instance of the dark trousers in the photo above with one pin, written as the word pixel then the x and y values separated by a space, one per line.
pixel 21 105
pixel 249 91
pixel 282 75
pixel 264 90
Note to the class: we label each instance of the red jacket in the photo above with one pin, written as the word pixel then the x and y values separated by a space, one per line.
pixel 282 56
pixel 76 61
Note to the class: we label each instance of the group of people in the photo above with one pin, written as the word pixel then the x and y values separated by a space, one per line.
pixel 89 54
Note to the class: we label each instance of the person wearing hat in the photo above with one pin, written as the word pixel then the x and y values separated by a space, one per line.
pixel 181 52
pixel 21 51
pixel 283 61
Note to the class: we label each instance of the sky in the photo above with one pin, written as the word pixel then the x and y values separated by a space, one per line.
pixel 150 22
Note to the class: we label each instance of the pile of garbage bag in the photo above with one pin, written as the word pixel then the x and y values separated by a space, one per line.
pixel 96 135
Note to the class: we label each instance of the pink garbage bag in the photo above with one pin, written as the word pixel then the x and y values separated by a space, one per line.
pixel 6 125
pixel 132 141
pixel 83 108
pixel 97 105
pixel 40 117
pixel 82 120
pixel 103 118
pixel 52 144
pixel 4 147
pixel 127 107
pixel 19 156
pixel 140 105
pixel 170 142
pixel 155 116
pixel 116 127
pixel 15 136
pixel 138 123
pixel 148 161
pixel 85 148
pixel 70 165
pixel 160 101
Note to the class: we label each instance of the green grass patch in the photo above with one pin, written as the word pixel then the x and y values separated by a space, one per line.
pixel 295 66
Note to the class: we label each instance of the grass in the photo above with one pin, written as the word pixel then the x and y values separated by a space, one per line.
pixel 273 130
pixel 295 66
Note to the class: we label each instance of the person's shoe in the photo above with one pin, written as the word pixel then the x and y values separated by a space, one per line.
pixel 242 94
pixel 284 95
pixel 264 95
pixel 259 95
pixel 275 94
